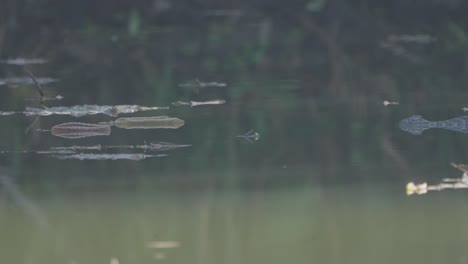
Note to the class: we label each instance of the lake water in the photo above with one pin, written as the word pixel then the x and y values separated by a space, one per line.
pixel 294 154
pixel 346 224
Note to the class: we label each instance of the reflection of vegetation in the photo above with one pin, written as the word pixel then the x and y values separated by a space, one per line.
pixel 28 206
pixel 331 114
pixel 134 23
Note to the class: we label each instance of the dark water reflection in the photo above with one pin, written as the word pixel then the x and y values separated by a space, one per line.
pixel 296 154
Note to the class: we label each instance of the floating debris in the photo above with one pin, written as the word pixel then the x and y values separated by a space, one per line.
pixel 386 103
pixel 447 183
pixel 250 136
pixel 195 103
pixel 74 148
pixel 416 125
pixel 74 130
pixel 58 97
pixel 160 146
pixel 461 167
pixel 412 188
pixel 197 84
pixel 70 152
pixel 23 61
pixel 106 156
pixel 16 81
pixel 151 122
pixel 83 110
pixel 51 151
pixel 7 113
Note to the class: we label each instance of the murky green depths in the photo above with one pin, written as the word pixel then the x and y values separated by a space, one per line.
pixel 325 181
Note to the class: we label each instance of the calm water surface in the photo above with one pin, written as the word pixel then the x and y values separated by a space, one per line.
pixel 347 224
pixel 324 182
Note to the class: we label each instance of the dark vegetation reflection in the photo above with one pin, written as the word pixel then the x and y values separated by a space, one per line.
pixel 233 131
pixel 310 78
pixel 323 82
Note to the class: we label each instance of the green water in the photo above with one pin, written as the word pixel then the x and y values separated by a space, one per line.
pixel 324 182
pixel 347 224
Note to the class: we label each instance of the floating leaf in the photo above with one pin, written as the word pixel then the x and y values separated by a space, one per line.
pixel 151 122
pixel 73 130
